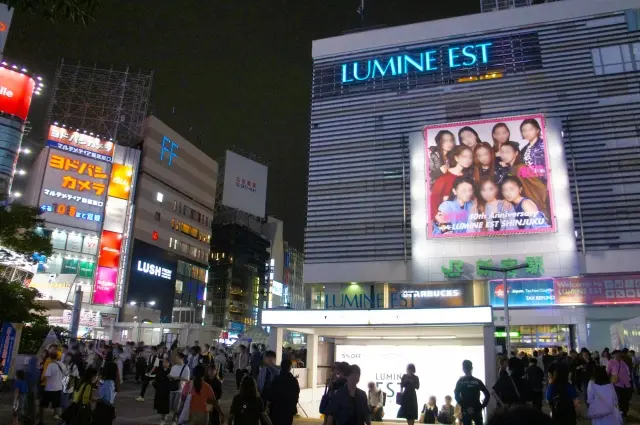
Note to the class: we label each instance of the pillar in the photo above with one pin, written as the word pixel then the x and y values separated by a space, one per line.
pixel 488 332
pixel 279 340
pixel 312 360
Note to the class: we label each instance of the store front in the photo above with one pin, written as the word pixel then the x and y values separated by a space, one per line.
pixel 382 342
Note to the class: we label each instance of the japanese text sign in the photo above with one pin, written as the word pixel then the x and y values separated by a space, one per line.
pixel 80 143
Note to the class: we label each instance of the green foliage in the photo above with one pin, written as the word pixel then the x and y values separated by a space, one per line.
pixel 34 334
pixel 21 230
pixel 19 303
pixel 58 10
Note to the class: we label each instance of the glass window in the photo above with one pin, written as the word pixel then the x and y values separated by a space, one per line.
pixel 185 228
pixel 194 232
pixel 181 265
pixel 614 59
pixel 184 248
pixel 186 211
pixel 175 205
pixel 157 216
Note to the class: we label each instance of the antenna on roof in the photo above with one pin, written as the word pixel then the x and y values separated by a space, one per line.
pixel 361 12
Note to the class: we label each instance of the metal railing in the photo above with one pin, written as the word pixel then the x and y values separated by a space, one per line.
pixel 494 5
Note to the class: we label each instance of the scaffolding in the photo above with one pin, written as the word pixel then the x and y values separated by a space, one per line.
pixel 108 102
pixel 495 5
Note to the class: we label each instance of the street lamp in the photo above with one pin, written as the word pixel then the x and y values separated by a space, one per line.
pixel 505 284
pixel 151 303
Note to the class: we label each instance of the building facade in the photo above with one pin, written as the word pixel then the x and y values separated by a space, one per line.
pixel 567 71
pixel 293 289
pixel 174 203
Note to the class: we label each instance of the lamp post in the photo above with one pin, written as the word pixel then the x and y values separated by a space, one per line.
pixel 505 284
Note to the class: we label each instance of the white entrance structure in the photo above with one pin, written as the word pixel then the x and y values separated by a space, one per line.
pixel 383 342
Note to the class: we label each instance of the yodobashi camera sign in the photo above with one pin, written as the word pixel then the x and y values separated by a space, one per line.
pixel 488 178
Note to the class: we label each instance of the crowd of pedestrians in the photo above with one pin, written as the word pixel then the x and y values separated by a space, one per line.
pixel 78 385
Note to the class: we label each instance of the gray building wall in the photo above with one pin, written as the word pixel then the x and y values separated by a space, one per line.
pixel 358 227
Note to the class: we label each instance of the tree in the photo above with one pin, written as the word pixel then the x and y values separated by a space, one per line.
pixel 21 230
pixel 58 10
pixel 19 303
pixel 35 333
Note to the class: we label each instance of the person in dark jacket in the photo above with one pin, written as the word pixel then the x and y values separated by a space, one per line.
pixel 409 384
pixel 467 395
pixel 162 384
pixel 256 361
pixel 283 396
pixel 211 378
pixel 511 389
pixel 534 376
pixel 439 162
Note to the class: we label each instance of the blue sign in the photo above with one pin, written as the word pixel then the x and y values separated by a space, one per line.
pixel 7 341
pixel 168 146
pixel 79 151
pixel 70 211
pixel 523 293
pixel 457 57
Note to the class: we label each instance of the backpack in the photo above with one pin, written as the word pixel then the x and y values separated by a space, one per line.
pixel 384 398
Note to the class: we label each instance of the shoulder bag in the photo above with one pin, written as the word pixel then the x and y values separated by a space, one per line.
pixel 184 410
pixel 613 411
pixel 324 401
pixel 616 377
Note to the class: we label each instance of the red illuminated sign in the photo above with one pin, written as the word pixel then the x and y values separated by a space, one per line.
pixel 154 235
pixel 16 90
pixel 110 244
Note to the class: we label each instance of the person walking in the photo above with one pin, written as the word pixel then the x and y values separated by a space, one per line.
pixel 467 395
pixel 375 399
pixel 162 383
pixel 534 376
pixel 510 389
pixel 602 399
pixel 283 394
pixel 349 405
pixel 211 378
pixel 561 395
pixel 179 375
pixel 153 362
pixel 105 410
pixel 409 384
pixel 53 375
pixel 199 395
pixel 247 408
pixel 69 382
pixel 267 374
pixel 241 365
pixel 256 361
pixel 79 412
pixel 621 379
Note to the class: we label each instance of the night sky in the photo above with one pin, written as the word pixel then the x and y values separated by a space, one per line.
pixel 237 75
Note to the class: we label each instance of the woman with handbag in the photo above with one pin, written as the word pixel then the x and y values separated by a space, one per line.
pixel 621 380
pixel 602 399
pixel 105 411
pixel 79 412
pixel 198 399
pixel 407 398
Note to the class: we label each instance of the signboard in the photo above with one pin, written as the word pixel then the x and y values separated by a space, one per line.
pixel 80 143
pixel 429 296
pixel 88 318
pixel 16 90
pixel 86 269
pixel 74 242
pixel 75 191
pixel 245 185
pixel 168 151
pixel 488 178
pixel 585 290
pixel 385 364
pixel 53 286
pixel 6 13
pixel 110 246
pixel 116 214
pixel 461 57
pixel 58 239
pixel 276 288
pixel 90 245
pixel 7 342
pixel 120 182
pixel 104 290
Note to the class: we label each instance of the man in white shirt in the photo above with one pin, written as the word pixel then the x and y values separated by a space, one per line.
pixel 179 374
pixel 375 399
pixel 55 375
pixel 242 364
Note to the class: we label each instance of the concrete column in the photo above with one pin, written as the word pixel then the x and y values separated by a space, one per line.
pixel 279 340
pixel 489 362
pixel 312 360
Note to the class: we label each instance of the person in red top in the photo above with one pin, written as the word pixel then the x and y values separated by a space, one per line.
pixel 201 395
pixel 461 160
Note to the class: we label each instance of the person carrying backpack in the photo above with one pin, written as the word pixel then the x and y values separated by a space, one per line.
pixel 375 397
pixel 534 377
pixel 267 374
pixel 561 395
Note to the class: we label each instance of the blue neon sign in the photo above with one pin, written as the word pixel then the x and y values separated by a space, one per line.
pixel 168 146
pixel 457 57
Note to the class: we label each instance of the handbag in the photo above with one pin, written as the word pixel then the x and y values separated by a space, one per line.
pixel 324 401
pixel 185 408
pixel 614 410
pixel 614 378
pixel 399 398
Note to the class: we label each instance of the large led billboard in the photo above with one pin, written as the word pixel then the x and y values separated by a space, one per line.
pixel 245 185
pixel 489 177
pixel 74 190
pixel 16 90
pixel 384 365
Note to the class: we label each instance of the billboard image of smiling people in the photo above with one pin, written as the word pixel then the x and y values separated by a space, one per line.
pixel 488 177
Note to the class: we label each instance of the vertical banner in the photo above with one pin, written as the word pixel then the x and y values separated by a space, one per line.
pixel 104 290
pixel 9 341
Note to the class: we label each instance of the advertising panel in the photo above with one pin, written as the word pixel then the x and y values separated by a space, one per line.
pixel 16 90
pixel 585 290
pixel 88 318
pixel 245 185
pixel 110 245
pixel 74 242
pixel 115 215
pixel 6 13
pixel 104 290
pixel 90 245
pixel 429 296
pixel 385 364
pixel 81 143
pixel 10 140
pixel 74 191
pixel 488 178
pixel 58 239
pixel 120 182
pixel 53 286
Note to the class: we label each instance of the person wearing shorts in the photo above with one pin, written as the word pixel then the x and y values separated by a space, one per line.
pixel 54 374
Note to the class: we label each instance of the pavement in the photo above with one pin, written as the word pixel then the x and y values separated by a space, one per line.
pixel 131 412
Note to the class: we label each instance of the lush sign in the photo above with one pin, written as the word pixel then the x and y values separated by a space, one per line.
pixel 456 57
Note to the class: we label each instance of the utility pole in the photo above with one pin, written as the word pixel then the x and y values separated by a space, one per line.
pixel 505 285
pixel 361 12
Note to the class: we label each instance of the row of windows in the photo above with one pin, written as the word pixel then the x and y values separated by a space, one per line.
pixel 191 213
pixel 190 230
pixel 616 59
pixel 185 248
pixel 191 270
